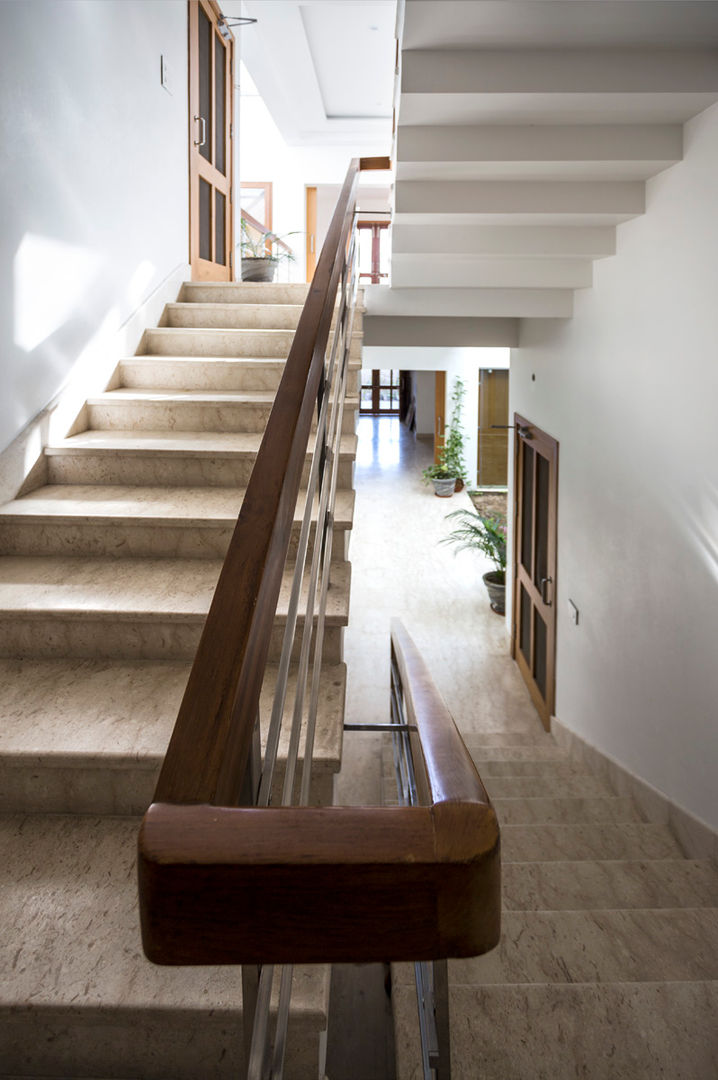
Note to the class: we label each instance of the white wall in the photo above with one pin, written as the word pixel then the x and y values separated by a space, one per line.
pixel 629 387
pixel 93 214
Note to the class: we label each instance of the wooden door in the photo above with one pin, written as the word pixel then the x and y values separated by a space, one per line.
pixel 211 217
pixel 439 413
pixel 311 232
pixel 493 442
pixel 534 571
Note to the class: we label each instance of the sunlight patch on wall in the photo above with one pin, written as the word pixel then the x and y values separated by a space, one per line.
pixel 51 279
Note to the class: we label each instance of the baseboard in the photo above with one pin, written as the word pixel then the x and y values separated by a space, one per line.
pixel 698 840
pixel 22 464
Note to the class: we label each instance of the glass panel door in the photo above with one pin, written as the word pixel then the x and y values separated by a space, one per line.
pixel 379 392
pixel 534 629
pixel 210 138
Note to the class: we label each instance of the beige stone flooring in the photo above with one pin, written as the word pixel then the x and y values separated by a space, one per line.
pixel 400 568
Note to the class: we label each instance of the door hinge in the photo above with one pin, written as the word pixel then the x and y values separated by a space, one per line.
pixel 231 131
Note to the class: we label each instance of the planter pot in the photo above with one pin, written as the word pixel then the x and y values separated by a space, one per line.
pixel 444 488
pixel 260 269
pixel 495 583
pixel 459 485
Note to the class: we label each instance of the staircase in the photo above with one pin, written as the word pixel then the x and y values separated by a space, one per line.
pixel 608 963
pixel 106 573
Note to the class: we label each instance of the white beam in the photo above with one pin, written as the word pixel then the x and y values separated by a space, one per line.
pixel 515 197
pixel 504 240
pixel 477 272
pixel 495 303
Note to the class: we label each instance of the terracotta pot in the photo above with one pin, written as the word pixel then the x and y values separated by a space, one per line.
pixel 444 488
pixel 495 582
pixel 258 269
pixel 459 485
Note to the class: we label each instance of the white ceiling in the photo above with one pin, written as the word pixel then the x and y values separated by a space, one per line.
pixel 325 68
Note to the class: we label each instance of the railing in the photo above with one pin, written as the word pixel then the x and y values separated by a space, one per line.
pixel 262 230
pixel 224 877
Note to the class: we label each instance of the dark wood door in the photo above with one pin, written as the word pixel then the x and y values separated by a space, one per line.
pixel 534 614
pixel 211 218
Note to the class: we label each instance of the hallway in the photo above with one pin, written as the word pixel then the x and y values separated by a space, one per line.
pixel 400 568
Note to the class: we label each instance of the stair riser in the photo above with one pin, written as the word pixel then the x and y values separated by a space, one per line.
pixel 159 374
pixel 240 316
pixel 188 416
pixel 152 1044
pixel 122 540
pixel 557 811
pixel 78 788
pixel 171 471
pixel 217 343
pixel 130 639
pixel 244 293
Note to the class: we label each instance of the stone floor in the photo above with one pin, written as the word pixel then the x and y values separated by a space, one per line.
pixel 400 568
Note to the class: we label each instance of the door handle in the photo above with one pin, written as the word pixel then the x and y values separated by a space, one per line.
pixel 545 582
pixel 203 131
pixel 439 426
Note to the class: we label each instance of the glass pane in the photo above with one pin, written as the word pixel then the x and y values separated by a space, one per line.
pixel 205 224
pixel 384 399
pixel 366 376
pixel 542 476
pixel 219 227
pixel 540 653
pixel 366 398
pixel 385 378
pixel 525 631
pixel 205 84
pixel 527 506
pixel 219 98
pixel 395 399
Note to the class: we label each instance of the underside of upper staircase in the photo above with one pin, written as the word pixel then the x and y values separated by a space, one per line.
pixel 525 135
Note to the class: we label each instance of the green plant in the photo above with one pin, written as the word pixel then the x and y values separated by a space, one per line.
pixel 485 534
pixel 452 455
pixel 253 245
pixel 437 472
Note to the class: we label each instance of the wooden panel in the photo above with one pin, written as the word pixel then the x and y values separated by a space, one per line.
pixel 311 232
pixel 493 444
pixel 439 413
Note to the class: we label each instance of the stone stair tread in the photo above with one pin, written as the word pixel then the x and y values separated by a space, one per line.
pixel 124 504
pixel 593 884
pixel 605 1031
pixel 245 292
pixel 70 892
pixel 605 946
pixel 222 397
pixel 123 711
pixel 548 843
pixel 547 752
pixel 564 810
pixel 206 443
pixel 117 589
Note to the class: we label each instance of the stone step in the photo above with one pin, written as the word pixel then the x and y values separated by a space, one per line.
pixel 560 843
pixel 202 373
pixel 130 608
pixel 241 316
pixel 176 459
pixel 566 785
pixel 606 1031
pixel 190 410
pixel 100 730
pixel 548 767
pixel 565 811
pixel 243 292
pixel 533 753
pixel 141 522
pixel 78 999
pixel 215 343
pixel 592 884
pixel 632 945
pixel 487 740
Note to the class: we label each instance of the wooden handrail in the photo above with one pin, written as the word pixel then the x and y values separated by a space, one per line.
pixel 263 230
pixel 331 884
pixel 209 748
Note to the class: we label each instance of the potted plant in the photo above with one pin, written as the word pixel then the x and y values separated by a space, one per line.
pixel 453 453
pixel 488 535
pixel 443 479
pixel 261 254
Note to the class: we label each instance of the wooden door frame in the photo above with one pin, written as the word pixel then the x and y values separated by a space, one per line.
pixel 311 217
pixel 202 269
pixel 527 432
pixel 439 413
